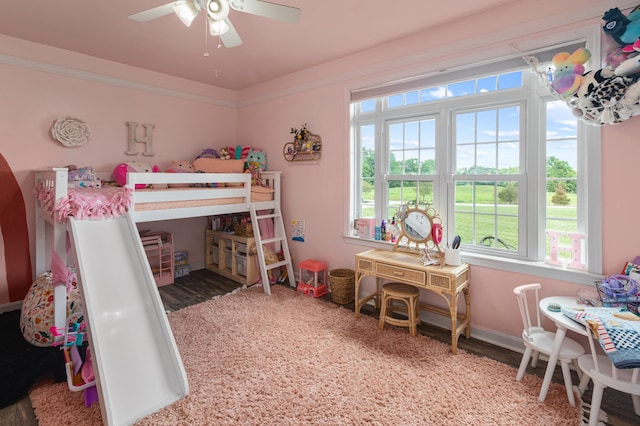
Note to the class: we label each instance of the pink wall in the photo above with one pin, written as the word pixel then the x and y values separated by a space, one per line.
pixel 33 99
pixel 316 192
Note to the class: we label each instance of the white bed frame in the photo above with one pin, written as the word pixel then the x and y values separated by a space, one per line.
pixel 56 179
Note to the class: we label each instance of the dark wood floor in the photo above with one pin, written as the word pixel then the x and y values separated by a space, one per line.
pixel 203 285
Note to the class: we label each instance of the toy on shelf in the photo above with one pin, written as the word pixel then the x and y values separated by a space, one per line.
pixel 313 278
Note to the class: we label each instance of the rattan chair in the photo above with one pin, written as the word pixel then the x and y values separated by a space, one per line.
pixel 408 297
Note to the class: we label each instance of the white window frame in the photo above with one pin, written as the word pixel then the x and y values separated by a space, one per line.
pixel 589 177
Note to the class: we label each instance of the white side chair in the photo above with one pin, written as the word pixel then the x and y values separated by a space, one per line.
pixel 605 375
pixel 539 341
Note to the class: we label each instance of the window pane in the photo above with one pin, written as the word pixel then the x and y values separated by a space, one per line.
pixel 433 94
pixel 408 192
pixel 509 81
pixel 396 100
pixel 465 128
pixel 487 84
pixel 561 172
pixel 486 126
pixel 461 89
pixel 486 213
pixel 412 147
pixel 367 171
pixel 412 98
pixel 368 106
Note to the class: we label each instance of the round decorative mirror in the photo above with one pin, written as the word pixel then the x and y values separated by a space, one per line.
pixel 419 229
pixel 417 225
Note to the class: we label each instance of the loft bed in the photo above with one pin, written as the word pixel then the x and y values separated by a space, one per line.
pixel 175 196
pixel 146 197
pixel 233 193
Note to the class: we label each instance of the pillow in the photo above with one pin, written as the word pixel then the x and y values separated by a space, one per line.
pixel 218 165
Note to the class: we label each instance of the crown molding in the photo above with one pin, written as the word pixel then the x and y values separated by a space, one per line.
pixel 49 68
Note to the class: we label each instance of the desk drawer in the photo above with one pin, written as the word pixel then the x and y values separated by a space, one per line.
pixel 403 274
pixel 364 265
pixel 442 282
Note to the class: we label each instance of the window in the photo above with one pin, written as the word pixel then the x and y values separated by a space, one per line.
pixel 506 165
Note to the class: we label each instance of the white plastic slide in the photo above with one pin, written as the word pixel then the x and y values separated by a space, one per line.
pixel 136 361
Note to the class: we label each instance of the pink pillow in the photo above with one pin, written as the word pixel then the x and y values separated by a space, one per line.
pixel 217 165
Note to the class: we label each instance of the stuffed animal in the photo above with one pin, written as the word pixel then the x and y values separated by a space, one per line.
pixel 622 29
pixel 631 99
pixel 256 162
pixel 182 166
pixel 224 153
pixel 208 153
pixel 600 99
pixel 616 57
pixel 629 67
pixel 239 152
pixel 567 77
pixel 258 159
pixel 121 170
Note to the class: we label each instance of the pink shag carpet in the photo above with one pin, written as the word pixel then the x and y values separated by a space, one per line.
pixel 288 359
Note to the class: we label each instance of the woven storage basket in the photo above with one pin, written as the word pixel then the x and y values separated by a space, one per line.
pixel 243 229
pixel 342 282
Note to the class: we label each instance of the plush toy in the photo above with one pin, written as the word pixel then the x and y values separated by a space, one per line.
pixel 182 166
pixel 121 170
pixel 631 99
pixel 591 80
pixel 616 57
pixel 600 99
pixel 224 153
pixel 628 68
pixel 239 152
pixel 569 69
pixel 208 153
pixel 622 29
pixel 258 159
pixel 256 162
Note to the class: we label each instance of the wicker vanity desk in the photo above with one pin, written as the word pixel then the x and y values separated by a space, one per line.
pixel 447 281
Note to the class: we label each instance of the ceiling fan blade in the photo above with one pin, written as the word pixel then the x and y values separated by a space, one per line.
pixel 265 9
pixel 154 13
pixel 231 38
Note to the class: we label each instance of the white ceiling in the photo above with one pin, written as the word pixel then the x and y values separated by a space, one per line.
pixel 328 30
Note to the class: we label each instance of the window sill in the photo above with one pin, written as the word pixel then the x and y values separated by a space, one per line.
pixel 536 269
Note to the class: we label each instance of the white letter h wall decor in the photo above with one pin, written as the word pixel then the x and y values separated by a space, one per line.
pixel 147 139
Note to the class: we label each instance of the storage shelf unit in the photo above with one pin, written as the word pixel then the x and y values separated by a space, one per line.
pixel 159 249
pixel 231 256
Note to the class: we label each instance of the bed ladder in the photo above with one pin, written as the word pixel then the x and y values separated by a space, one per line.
pixel 279 240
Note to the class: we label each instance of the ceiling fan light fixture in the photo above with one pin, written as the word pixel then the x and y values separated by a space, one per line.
pixel 186 11
pixel 217 9
pixel 217 28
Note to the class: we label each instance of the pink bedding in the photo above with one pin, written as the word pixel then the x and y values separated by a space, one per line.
pixel 111 202
pixel 86 203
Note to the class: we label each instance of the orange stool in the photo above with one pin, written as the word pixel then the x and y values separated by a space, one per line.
pixel 313 278
pixel 406 294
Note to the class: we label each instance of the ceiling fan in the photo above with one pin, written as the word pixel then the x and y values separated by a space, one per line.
pixel 218 14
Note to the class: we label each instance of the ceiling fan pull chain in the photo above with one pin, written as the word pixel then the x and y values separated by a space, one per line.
pixel 206 39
